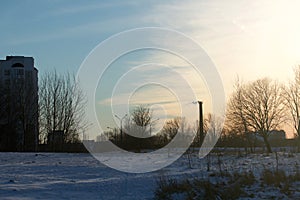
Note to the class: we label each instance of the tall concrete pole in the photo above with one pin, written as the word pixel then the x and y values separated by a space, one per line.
pixel 201 132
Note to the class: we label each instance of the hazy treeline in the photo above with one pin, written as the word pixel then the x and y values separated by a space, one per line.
pixel 254 109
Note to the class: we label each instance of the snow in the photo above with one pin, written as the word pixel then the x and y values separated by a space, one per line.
pixel 81 176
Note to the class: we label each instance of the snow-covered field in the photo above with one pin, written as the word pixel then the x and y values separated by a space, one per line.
pixel 80 176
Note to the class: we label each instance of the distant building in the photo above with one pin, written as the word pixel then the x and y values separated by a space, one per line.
pixel 277 136
pixel 18 104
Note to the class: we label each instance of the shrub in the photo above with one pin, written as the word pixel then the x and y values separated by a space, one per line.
pixel 273 177
pixel 167 187
pixel 204 190
pixel 295 177
pixel 197 189
pixel 201 189
pixel 244 179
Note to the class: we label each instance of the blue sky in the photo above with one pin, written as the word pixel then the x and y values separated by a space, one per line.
pixel 59 34
pixel 251 39
pixel 242 37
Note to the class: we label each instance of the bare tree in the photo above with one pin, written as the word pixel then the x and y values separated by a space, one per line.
pixel 292 102
pixel 236 117
pixel 214 127
pixel 141 117
pixel 264 108
pixel 180 128
pixel 171 128
pixel 62 105
pixel 174 126
pixel 257 107
pixel 26 111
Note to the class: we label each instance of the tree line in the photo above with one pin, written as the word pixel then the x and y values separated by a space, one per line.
pixel 137 131
pixel 263 105
pixel 255 108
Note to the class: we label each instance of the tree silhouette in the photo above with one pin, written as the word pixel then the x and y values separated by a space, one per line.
pixel 292 102
pixel 141 117
pixel 258 107
pixel 62 104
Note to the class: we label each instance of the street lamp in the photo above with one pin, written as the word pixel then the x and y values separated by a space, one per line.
pixel 151 123
pixel 121 122
pixel 201 132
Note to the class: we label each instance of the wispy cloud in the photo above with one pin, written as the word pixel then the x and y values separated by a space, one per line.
pixel 242 37
pixel 85 7
pixel 74 31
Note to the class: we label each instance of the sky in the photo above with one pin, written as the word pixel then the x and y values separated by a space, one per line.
pixel 248 39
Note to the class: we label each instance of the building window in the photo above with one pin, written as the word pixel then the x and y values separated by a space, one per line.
pixel 20 72
pixel 19 81
pixel 17 65
pixel 7 86
pixel 28 74
pixel 7 82
pixel 6 72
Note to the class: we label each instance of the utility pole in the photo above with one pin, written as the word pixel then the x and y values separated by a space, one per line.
pixel 201 132
pixel 200 125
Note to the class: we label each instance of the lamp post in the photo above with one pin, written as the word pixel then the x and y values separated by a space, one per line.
pixel 121 123
pixel 201 132
pixel 151 125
